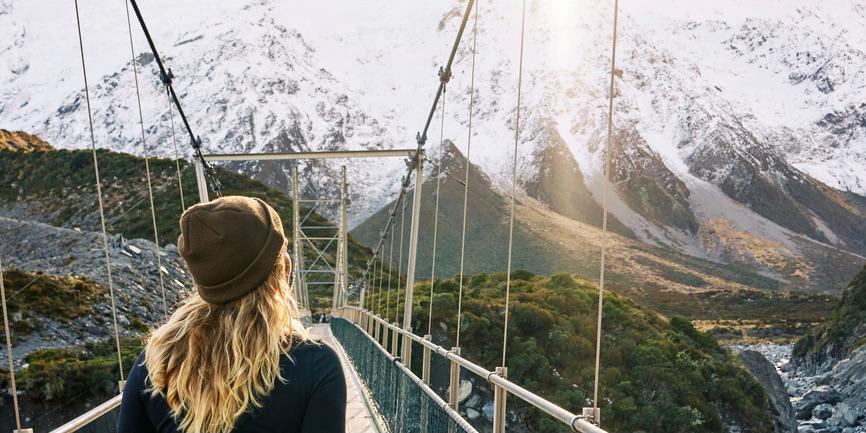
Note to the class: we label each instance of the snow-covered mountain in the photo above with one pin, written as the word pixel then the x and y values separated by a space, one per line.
pixel 739 127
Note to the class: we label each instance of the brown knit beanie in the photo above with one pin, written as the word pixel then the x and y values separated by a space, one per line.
pixel 230 246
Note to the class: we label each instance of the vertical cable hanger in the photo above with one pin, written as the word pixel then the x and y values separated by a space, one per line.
pixel 99 199
pixel 9 353
pixel 381 280
pixel 607 156
pixel 390 265
pixel 513 185
pixel 445 78
pixel 400 262
pixel 147 165
pixel 466 176
pixel 174 143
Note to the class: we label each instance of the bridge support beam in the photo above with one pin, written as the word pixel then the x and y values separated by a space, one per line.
pixel 200 181
pixel 454 383
pixel 425 361
pixel 413 253
pixel 499 397
pixel 394 341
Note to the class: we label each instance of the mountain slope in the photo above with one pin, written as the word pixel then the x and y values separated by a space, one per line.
pixel 56 187
pixel 546 242
pixel 731 120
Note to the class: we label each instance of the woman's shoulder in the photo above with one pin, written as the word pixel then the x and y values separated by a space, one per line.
pixel 314 352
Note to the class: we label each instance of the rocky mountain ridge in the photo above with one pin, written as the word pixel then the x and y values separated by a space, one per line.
pixel 760 137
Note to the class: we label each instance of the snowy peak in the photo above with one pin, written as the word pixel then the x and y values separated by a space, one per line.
pixel 732 120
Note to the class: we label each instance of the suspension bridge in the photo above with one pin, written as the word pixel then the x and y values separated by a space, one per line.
pixel 379 352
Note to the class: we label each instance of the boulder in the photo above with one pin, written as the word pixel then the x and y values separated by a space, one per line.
pixel 488 409
pixel 780 405
pixel 823 411
pixel 805 428
pixel 472 413
pixel 816 396
pixel 843 416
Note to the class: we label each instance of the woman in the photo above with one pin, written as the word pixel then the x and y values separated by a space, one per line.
pixel 234 356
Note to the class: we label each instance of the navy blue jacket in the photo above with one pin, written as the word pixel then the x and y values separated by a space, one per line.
pixel 312 400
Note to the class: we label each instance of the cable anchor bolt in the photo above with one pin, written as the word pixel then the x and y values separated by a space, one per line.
pixel 444 75
pixel 591 414
pixel 166 77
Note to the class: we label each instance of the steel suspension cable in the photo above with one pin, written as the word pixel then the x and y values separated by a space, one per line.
pixel 9 353
pixel 436 216
pixel 466 176
pixel 607 157
pixel 146 165
pixel 513 185
pixel 421 137
pixel 176 153
pixel 166 77
pixel 99 195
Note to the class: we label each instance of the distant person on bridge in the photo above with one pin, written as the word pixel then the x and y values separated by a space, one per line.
pixel 234 357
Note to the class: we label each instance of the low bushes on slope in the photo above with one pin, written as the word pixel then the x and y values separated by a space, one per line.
pixel 657 375
pixel 35 293
pixel 842 332
pixel 77 372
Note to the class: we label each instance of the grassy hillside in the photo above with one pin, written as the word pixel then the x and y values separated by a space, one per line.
pixel 657 375
pixel 57 187
pixel 844 330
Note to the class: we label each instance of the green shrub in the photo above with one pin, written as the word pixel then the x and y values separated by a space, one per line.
pixel 656 376
pixel 80 372
pixel 61 298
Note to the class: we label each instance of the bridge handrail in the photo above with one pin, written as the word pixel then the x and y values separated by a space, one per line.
pixel 88 417
pixel 577 423
pixel 420 383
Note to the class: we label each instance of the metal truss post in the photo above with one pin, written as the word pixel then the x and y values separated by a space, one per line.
pixel 413 253
pixel 297 242
pixel 344 237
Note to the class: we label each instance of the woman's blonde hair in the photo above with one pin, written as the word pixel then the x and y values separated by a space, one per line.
pixel 212 363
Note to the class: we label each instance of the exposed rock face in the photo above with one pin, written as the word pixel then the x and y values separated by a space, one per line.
pixel 844 416
pixel 32 247
pixel 823 394
pixel 823 411
pixel 765 373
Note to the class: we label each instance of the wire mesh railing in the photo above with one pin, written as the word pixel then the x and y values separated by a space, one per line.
pixel 366 324
pixel 401 398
